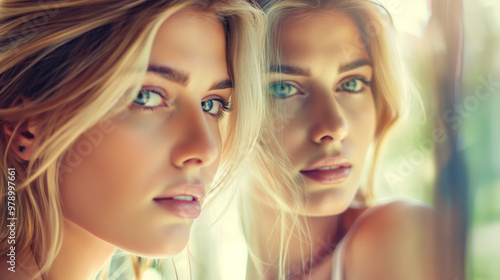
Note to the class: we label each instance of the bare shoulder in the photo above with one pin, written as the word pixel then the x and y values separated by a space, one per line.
pixel 395 240
pixel 406 213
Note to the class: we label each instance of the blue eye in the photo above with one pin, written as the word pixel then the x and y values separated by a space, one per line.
pixel 215 107
pixel 210 106
pixel 354 85
pixel 283 90
pixel 149 98
pixel 142 98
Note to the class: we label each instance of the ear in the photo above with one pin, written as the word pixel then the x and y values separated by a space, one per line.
pixel 23 140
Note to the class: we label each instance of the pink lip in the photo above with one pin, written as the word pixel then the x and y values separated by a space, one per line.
pixel 182 208
pixel 329 176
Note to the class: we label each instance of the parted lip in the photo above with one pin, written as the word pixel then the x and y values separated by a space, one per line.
pixel 184 189
pixel 329 161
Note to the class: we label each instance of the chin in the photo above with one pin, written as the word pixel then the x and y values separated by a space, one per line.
pixel 328 202
pixel 173 241
pixel 161 250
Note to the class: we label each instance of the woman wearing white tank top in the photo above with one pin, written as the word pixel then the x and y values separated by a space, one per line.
pixel 336 87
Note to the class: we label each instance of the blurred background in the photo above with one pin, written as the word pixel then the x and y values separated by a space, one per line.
pixel 416 164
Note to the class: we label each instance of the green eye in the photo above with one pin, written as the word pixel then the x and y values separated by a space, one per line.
pixel 148 98
pixel 283 90
pixel 210 106
pixel 216 107
pixel 142 98
pixel 353 85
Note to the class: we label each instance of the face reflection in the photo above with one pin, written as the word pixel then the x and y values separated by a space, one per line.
pixel 326 107
pixel 135 189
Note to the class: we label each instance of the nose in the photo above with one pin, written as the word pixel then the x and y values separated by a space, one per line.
pixel 196 145
pixel 329 121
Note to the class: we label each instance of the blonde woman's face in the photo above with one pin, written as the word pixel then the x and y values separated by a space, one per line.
pixel 325 107
pixel 139 186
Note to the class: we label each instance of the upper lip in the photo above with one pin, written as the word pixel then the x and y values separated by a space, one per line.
pixel 329 161
pixel 196 190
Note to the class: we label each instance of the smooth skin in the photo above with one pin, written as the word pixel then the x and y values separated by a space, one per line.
pixel 328 109
pixel 170 138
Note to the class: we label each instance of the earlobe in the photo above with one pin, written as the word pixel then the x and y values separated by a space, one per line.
pixel 22 149
pixel 23 139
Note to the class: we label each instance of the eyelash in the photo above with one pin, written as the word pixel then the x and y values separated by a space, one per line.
pixel 362 80
pixel 158 92
pixel 226 106
pixel 287 83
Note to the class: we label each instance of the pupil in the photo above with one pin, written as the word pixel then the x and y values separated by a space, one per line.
pixel 207 105
pixel 283 89
pixel 142 97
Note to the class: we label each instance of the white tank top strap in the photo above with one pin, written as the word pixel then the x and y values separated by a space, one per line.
pixel 338 261
pixel 338 254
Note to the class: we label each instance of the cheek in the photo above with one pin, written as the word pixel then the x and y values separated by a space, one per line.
pixel 113 180
pixel 215 133
pixel 369 119
pixel 293 136
pixel 362 124
pixel 290 125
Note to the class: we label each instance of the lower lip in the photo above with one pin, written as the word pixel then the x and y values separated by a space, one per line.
pixel 182 208
pixel 328 177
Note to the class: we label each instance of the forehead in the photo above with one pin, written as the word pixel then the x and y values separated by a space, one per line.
pixel 190 39
pixel 321 35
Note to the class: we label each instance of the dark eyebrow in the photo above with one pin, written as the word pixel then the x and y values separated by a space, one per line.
pixel 353 65
pixel 222 85
pixel 289 70
pixel 170 74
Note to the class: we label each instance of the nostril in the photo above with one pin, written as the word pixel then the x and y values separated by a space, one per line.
pixel 196 161
pixel 326 138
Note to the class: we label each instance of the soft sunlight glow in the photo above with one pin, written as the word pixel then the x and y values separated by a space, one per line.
pixel 409 16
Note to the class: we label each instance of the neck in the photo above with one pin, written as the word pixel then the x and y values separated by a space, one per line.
pixel 266 242
pixel 82 255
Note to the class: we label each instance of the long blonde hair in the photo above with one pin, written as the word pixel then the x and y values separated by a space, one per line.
pixel 391 88
pixel 79 62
